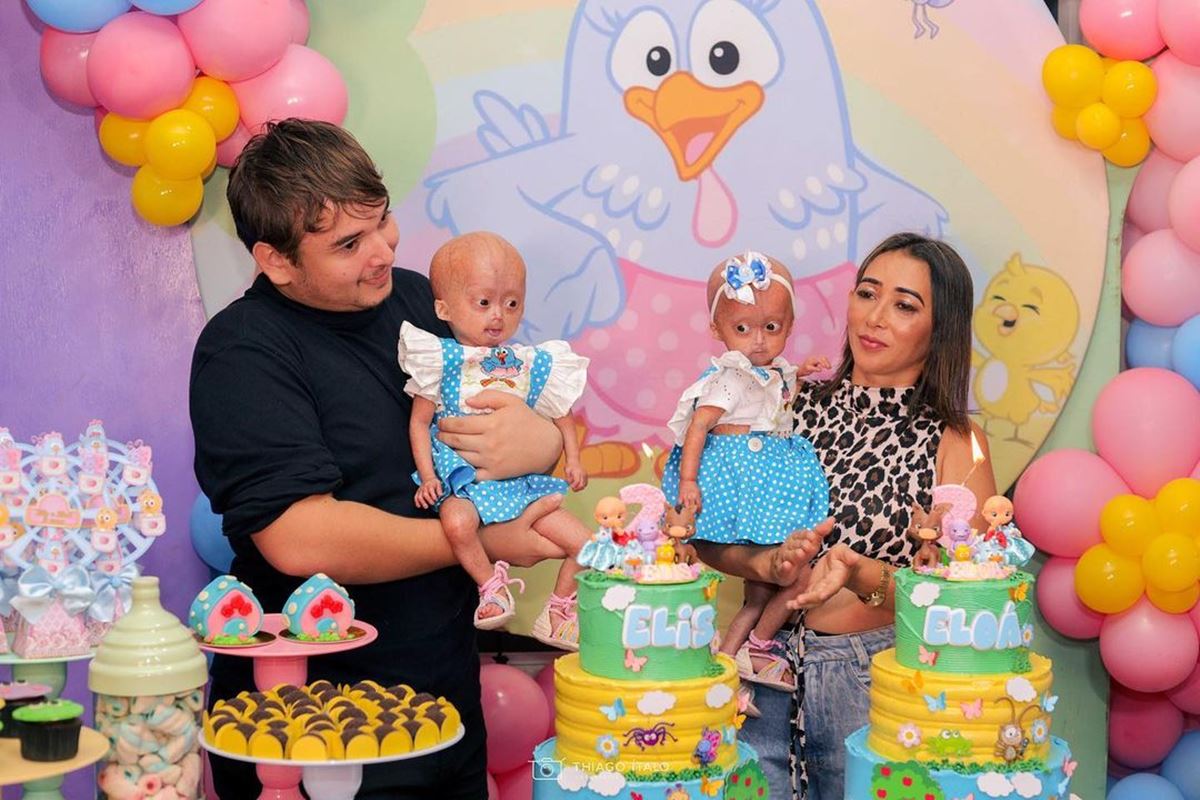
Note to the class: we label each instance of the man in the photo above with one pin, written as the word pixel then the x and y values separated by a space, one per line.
pixel 301 426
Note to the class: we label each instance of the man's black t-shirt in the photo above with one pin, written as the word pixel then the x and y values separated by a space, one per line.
pixel 289 401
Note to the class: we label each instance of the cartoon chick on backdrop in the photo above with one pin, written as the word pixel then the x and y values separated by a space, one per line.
pixel 1026 322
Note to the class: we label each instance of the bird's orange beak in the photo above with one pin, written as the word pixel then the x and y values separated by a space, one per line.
pixel 694 121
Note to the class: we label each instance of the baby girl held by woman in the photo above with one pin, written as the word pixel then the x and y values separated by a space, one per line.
pixel 735 459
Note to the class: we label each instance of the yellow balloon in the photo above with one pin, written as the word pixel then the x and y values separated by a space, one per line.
pixel 1063 120
pixel 1178 505
pixel 123 139
pixel 1173 602
pixel 216 102
pixel 1132 147
pixel 1129 88
pixel 1072 75
pixel 1171 562
pixel 1128 523
pixel 180 144
pixel 1107 581
pixel 210 169
pixel 1107 63
pixel 1098 126
pixel 163 201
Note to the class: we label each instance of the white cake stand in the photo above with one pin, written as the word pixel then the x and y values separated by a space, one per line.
pixel 333 780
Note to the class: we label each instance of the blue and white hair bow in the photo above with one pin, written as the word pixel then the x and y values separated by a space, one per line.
pixel 112 589
pixel 743 276
pixel 8 590
pixel 37 590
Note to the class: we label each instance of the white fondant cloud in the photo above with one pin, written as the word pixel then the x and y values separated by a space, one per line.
pixel 1021 690
pixel 572 779
pixel 618 597
pixel 1027 784
pixel 993 784
pixel 924 594
pixel 718 695
pixel 656 703
pixel 607 784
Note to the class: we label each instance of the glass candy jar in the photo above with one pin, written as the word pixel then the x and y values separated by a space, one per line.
pixel 149 677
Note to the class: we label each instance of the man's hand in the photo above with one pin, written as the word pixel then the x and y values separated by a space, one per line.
pixel 517 542
pixel 510 441
pixel 835 569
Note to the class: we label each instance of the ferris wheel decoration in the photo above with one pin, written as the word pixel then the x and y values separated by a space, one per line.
pixel 74 520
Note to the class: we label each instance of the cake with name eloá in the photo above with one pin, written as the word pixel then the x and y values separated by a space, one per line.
pixel 962 705
pixel 645 709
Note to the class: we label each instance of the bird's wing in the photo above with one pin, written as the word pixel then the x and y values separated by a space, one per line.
pixel 506 126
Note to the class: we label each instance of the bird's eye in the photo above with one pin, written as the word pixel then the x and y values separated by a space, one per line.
pixel 730 44
pixel 644 51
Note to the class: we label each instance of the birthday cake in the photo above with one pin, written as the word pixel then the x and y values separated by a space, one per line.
pixel 645 709
pixel 962 706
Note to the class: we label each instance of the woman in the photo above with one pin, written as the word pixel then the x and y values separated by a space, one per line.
pixel 889 426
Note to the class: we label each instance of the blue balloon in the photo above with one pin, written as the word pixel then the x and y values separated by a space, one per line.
pixel 166 7
pixel 1182 765
pixel 1148 345
pixel 208 540
pixel 1144 786
pixel 78 16
pixel 1185 350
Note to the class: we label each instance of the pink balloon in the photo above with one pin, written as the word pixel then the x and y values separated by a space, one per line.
pixel 1186 696
pixel 545 679
pixel 517 784
pixel 1148 650
pixel 139 66
pixel 231 146
pixel 1060 605
pixel 1146 423
pixel 1121 29
pixel 1130 234
pixel 299 21
pixel 1174 119
pixel 1147 206
pixel 303 84
pixel 1179 22
pixel 515 711
pixel 1059 498
pixel 1183 204
pixel 1160 279
pixel 63 58
pixel 1142 728
pixel 237 39
pixel 493 789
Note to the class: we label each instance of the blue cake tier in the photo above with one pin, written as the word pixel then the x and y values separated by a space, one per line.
pixel 864 780
pixel 554 780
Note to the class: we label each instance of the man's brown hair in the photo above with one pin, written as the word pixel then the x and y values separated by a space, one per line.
pixel 286 178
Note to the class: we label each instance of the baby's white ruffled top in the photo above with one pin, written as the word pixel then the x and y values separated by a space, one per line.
pixel 514 369
pixel 758 397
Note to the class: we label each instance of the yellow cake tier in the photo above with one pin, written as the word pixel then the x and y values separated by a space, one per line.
pixel 928 716
pixel 645 726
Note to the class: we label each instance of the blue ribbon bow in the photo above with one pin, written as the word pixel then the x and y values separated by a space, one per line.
pixel 110 589
pixel 744 275
pixel 37 590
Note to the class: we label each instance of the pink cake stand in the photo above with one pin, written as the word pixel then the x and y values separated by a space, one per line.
pixel 333 780
pixel 286 661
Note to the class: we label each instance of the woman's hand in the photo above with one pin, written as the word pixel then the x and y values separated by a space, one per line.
pixel 830 575
pixel 517 542
pixel 510 441
pixel 796 551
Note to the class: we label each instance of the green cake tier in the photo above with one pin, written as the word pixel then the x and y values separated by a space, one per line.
pixel 964 626
pixel 647 631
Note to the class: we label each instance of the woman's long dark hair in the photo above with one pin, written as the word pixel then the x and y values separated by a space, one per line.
pixel 942 387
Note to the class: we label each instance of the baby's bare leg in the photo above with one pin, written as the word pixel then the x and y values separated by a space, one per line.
pixel 563 529
pixel 757 596
pixel 460 523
